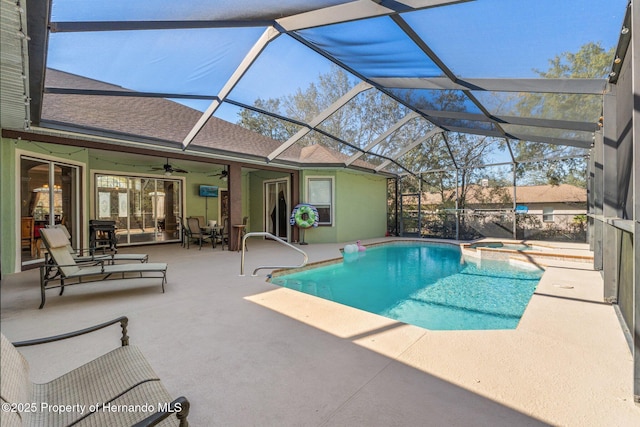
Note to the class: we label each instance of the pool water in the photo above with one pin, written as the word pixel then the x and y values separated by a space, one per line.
pixel 427 285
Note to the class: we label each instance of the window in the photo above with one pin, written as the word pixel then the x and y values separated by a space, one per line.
pixel 320 195
pixel 547 214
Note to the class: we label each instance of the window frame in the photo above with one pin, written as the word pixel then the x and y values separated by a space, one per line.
pixel 547 214
pixel 311 178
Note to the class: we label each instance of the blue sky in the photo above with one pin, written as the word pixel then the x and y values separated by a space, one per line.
pixel 484 38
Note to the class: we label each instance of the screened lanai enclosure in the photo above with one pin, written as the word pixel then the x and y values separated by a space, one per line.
pixel 441 96
pixel 489 118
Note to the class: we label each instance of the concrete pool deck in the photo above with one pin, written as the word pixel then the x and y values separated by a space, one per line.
pixel 246 352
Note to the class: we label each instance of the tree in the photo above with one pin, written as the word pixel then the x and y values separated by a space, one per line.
pixel 266 125
pixel 569 166
pixel 357 123
pixel 371 113
pixel 590 61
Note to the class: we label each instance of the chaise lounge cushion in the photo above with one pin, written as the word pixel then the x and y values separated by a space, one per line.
pixel 57 242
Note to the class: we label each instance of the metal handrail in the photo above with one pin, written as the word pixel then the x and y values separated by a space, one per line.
pixel 276 238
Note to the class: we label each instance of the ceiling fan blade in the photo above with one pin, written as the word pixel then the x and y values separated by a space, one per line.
pixel 168 168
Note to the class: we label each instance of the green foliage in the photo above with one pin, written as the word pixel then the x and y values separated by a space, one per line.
pixel 268 126
pixel 579 223
pixel 371 113
pixel 571 171
pixel 359 122
pixel 590 62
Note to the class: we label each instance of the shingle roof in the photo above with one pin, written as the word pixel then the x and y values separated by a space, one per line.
pixel 172 121
pixel 563 193
pixel 320 154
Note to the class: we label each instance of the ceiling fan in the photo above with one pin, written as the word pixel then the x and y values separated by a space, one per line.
pixel 223 174
pixel 168 169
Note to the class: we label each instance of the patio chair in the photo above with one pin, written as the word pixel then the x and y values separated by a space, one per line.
pixel 27 239
pixel 196 232
pixel 222 236
pixel 51 271
pixel 120 378
pixel 110 258
pixel 97 270
pixel 185 237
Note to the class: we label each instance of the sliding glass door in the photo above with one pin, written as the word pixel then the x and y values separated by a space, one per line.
pixel 276 208
pixel 146 210
pixel 49 194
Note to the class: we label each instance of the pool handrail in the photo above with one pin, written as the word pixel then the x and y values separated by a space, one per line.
pixel 272 237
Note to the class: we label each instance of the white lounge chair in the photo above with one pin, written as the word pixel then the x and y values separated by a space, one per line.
pixel 98 270
pixel 110 258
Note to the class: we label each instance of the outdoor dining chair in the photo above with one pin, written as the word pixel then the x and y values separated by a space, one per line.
pixel 197 232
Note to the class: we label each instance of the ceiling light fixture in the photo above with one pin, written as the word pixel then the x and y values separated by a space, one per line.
pixel 617 60
pixel 45 189
pixel 612 74
pixel 624 30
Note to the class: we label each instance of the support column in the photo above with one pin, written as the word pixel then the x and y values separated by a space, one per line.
pixel 635 131
pixel 419 205
pixel 595 200
pixel 396 207
pixel 515 200
pixel 457 206
pixel 295 199
pixel 235 203
pixel 611 199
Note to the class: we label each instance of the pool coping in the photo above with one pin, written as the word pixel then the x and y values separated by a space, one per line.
pixel 316 264
pixel 540 259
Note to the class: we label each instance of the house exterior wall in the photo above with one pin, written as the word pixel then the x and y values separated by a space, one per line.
pixel 359 206
pixel 359 198
pixel 10 180
pixel 563 213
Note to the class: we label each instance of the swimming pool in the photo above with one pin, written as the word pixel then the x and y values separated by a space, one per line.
pixel 427 285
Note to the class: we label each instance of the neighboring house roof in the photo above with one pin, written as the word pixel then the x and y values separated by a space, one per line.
pixel 172 121
pixel 476 194
pixel 563 193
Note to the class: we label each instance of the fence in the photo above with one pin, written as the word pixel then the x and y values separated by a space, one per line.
pixel 499 223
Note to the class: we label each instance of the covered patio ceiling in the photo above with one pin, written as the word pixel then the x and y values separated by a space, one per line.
pixel 444 67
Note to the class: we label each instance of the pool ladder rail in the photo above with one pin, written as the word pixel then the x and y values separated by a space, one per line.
pixel 277 239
